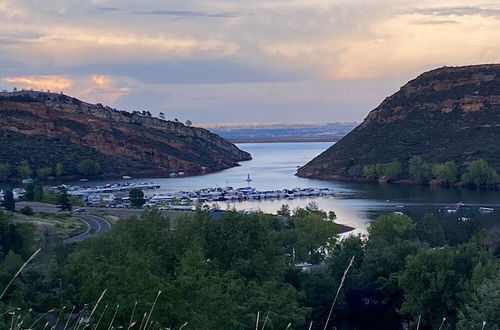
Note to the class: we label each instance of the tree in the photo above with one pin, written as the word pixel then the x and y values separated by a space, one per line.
pixel 370 171
pixel 482 307
pixel 284 210
pixel 430 230
pixel 312 235
pixel 418 170
pixel 34 191
pixel 161 115
pixel 59 170
pixel 44 172
pixel 446 173
pixel 392 170
pixel 480 173
pixel 189 123
pixel 8 201
pixel 5 171
pixel 436 281
pixel 88 167
pixel 63 201
pixel 24 171
pixel 136 198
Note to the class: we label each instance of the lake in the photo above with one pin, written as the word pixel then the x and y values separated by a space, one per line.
pixel 274 165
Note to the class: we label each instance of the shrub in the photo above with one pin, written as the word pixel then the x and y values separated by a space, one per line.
pixel 27 210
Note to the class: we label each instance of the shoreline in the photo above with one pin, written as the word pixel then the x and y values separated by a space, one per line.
pixel 399 182
pixel 283 140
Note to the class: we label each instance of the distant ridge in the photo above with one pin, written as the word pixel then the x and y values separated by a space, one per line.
pixel 282 132
pixel 44 128
pixel 450 113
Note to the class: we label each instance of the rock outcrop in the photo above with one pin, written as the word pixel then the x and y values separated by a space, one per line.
pixel 451 113
pixel 132 142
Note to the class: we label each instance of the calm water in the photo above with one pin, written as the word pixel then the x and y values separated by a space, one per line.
pixel 274 165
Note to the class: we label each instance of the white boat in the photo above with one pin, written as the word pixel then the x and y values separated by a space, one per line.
pixel 486 209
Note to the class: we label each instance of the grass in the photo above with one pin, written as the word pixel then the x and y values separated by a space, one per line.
pixel 64 224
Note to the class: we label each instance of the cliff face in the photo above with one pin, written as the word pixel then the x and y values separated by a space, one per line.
pixel 451 113
pixel 149 143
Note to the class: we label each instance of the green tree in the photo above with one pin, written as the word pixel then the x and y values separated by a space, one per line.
pixel 392 170
pixel 483 306
pixel 63 201
pixel 370 171
pixel 44 172
pixel 34 192
pixel 284 210
pixel 5 171
pixel 136 198
pixel 446 173
pixel 391 227
pixel 312 235
pixel 8 201
pixel 430 230
pixel 418 170
pixel 88 167
pixel 59 170
pixel 480 173
pixel 24 171
pixel 436 281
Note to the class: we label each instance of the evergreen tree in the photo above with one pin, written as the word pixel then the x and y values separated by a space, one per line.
pixel 63 201
pixel 136 198
pixel 5 171
pixel 8 201
pixel 59 170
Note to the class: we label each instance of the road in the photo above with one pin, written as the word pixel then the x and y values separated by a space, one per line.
pixel 95 226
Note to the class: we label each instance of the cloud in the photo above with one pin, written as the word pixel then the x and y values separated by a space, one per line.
pixel 458 11
pixel 397 44
pixel 102 81
pixel 70 47
pixel 187 13
pixel 53 83
pixel 102 89
pixel 109 9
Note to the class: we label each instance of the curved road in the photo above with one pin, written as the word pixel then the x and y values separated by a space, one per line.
pixel 95 226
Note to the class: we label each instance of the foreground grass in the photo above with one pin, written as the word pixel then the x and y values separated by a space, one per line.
pixel 63 224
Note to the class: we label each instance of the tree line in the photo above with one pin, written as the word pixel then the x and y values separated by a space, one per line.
pixel 207 272
pixel 86 167
pixel 477 172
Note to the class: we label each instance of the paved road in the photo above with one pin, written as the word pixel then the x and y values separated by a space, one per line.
pixel 95 226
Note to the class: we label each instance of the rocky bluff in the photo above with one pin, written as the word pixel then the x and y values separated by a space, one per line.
pixel 451 113
pixel 125 142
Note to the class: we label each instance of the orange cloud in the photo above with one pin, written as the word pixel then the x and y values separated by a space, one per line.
pixel 53 83
pixel 102 81
pixel 103 89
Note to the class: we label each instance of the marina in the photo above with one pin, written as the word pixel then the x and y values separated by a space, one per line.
pixel 116 195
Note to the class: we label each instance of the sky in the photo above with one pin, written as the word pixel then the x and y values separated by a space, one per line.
pixel 235 61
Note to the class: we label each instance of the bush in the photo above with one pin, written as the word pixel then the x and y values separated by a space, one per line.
pixel 27 210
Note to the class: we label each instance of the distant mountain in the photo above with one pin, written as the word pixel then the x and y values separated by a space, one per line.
pixel 277 132
pixel 42 129
pixel 451 113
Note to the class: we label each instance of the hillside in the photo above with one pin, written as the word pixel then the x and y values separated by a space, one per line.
pixel 42 129
pixel 451 113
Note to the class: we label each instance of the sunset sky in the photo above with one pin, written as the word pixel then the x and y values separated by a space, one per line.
pixel 240 61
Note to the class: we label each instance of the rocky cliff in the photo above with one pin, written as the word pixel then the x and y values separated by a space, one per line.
pixel 131 143
pixel 451 113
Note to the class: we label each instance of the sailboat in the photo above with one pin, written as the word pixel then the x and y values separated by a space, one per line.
pixel 248 180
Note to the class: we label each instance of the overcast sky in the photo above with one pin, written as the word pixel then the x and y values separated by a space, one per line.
pixel 233 61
